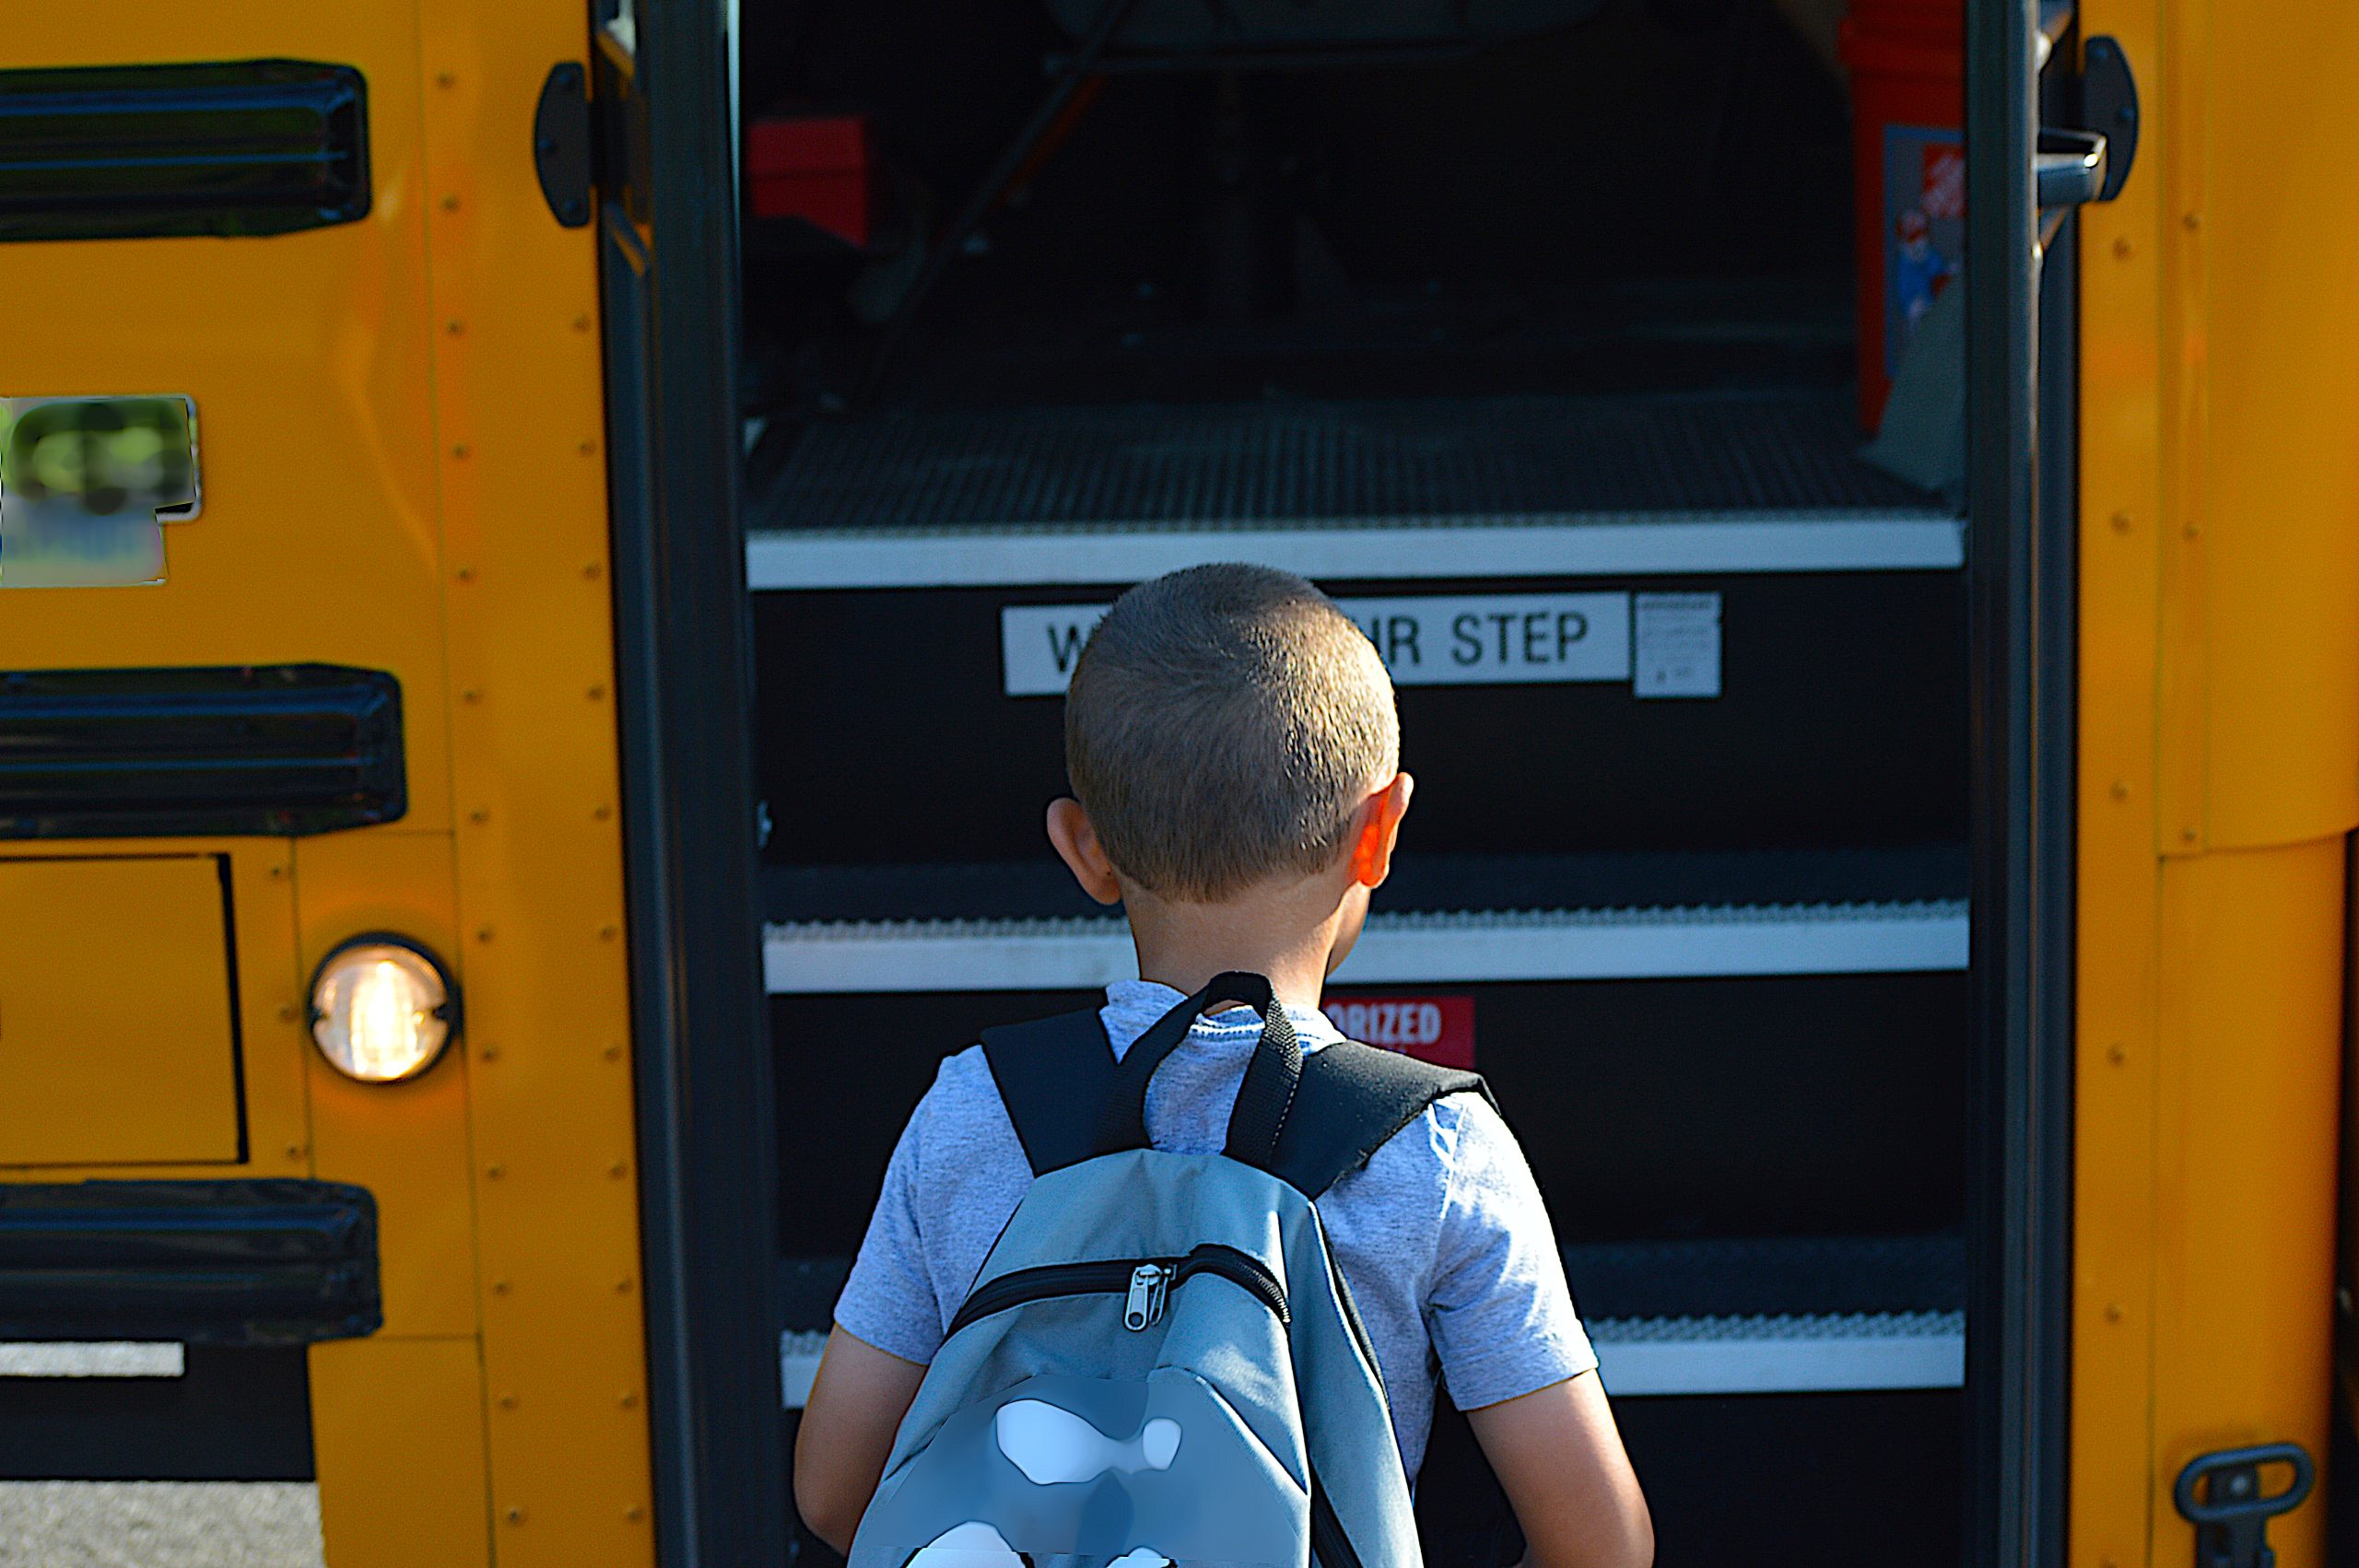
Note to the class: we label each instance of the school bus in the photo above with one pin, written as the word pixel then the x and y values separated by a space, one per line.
pixel 544 544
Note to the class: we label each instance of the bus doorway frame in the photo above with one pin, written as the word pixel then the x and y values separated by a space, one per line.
pixel 707 1155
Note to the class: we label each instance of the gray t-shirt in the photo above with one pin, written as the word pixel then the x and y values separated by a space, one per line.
pixel 1442 1235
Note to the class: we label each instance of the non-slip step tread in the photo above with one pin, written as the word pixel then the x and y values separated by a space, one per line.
pixel 1148 465
pixel 1768 1276
pixel 1672 1318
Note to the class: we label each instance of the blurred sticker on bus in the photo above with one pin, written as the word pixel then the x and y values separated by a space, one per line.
pixel 86 484
pixel 1438 1029
pixel 1425 640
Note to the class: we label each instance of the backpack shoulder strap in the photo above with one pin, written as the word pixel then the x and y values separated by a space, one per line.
pixel 1052 1075
pixel 1354 1099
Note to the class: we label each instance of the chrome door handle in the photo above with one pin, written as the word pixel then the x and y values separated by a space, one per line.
pixel 2070 168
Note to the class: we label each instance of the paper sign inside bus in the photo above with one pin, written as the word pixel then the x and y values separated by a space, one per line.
pixel 1438 1029
pixel 1441 640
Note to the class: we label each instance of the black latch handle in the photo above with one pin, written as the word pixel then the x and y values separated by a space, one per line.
pixel 2220 1494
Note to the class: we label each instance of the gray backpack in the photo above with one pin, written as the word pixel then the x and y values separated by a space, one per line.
pixel 1158 1362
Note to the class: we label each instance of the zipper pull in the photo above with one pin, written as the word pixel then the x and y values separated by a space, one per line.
pixel 1149 1284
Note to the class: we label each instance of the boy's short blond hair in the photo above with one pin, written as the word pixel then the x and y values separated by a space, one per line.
pixel 1223 725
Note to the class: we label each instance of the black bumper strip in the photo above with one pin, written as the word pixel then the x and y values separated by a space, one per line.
pixel 204 1262
pixel 279 750
pixel 234 148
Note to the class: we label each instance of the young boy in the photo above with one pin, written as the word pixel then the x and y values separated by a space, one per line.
pixel 1235 759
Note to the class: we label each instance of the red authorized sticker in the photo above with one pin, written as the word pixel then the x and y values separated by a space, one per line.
pixel 1438 1029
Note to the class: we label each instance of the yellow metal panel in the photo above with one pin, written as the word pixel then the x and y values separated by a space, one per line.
pixel 116 1039
pixel 2121 510
pixel 2246 1121
pixel 397 1439
pixel 2174 92
pixel 405 1142
pixel 2220 712
pixel 307 356
pixel 519 415
pixel 273 1051
pixel 2280 488
pixel 276 1047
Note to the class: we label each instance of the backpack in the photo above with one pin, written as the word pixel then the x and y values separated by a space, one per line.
pixel 1158 1362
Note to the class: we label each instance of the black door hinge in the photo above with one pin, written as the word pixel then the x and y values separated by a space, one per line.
pixel 561 144
pixel 2220 1493
pixel 2109 108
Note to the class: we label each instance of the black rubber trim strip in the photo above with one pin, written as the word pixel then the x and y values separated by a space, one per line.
pixel 248 1263
pixel 281 750
pixel 232 150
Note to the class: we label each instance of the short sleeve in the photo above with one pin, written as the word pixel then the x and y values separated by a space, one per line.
pixel 1497 1309
pixel 887 1301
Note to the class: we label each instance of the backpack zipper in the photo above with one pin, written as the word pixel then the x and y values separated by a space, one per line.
pixel 1150 1283
pixel 1145 1285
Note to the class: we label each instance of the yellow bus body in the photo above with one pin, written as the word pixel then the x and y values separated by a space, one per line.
pixel 2219 764
pixel 402 431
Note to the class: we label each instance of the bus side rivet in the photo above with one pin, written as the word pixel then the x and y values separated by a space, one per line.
pixel 590 569
pixel 608 933
pixel 2191 220
pixel 455 326
pixel 279 871
pixel 286 1012
pixel 515 1515
pixel 2120 791
pixel 294 1150
pixel 479 815
pixel 2121 522
pixel 618 1170
pixel 500 1287
pixel 471 694
pixel 631 1401
pixel 597 694
pixel 2113 1312
pixel 613 1053
pixel 2116 1053
pixel 634 1512
pixel 445 79
pixel 602 813
pixel 493 1173
pixel 622 1287
pixel 465 574
pixel 582 323
pixel 587 448
pixel 451 203
pixel 2194 531
pixel 461 450
pixel 483 934
pixel 2188 833
pixel 2122 249
pixel 507 1401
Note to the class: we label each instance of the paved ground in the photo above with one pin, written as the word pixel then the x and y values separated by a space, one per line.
pixel 161 1523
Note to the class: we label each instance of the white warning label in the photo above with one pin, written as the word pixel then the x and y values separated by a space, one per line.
pixel 1676 645
pixel 1438 640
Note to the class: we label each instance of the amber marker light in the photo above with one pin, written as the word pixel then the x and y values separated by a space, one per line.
pixel 382 1008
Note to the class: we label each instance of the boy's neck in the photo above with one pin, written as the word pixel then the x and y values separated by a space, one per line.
pixel 1286 931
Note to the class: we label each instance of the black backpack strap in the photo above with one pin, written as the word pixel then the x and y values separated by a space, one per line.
pixel 1354 1098
pixel 1052 1075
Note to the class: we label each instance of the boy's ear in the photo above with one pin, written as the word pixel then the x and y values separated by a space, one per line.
pixel 1379 830
pixel 1076 845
